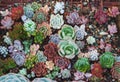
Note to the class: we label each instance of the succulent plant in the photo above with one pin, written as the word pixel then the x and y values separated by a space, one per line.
pixel 50 51
pixel 112 28
pixel 67 32
pixel 49 65
pixel 59 7
pixel 27 44
pixel 116 70
pixel 23 71
pixel 117 58
pixel 65 73
pixel 7 23
pixel 52 74
pixel 5 12
pixel 39 69
pixel 68 49
pixel 7 64
pixel 74 18
pixel 34 48
pixel 39 17
pixel 12 77
pixel 17 33
pixel 28 11
pixel 107 60
pixel 16 12
pixel 91 40
pixel 7 40
pixel 114 11
pixel 43 80
pixel 54 38
pixel 39 37
pixel 100 16
pixel 3 51
pixel 80 44
pixel 19 57
pixel 82 65
pixel 80 32
pixel 35 6
pixel 62 63
pixel 94 55
pixel 44 28
pixel 79 75
pixel 56 21
pixel 41 57
pixel 17 46
pixel 30 61
pixel 96 70
pixel 29 27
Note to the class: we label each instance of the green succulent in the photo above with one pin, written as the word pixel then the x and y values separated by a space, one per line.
pixel 67 32
pixel 68 49
pixel 65 73
pixel 82 65
pixel 39 17
pixel 6 64
pixel 39 37
pixel 27 44
pixel 18 33
pixel 30 61
pixel 41 57
pixel 107 60
pixel 35 6
pixel 53 73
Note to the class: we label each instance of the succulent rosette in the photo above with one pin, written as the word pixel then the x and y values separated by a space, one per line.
pixel 29 27
pixel 82 65
pixel 56 21
pixel 91 40
pixel 67 32
pixel 12 77
pixel 36 6
pixel 107 60
pixel 113 12
pixel 68 49
pixel 7 23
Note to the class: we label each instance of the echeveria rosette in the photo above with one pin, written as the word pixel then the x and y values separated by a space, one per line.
pixel 12 77
pixel 100 17
pixel 68 49
pixel 28 11
pixel 39 17
pixel 82 65
pixel 107 60
pixel 29 27
pixel 56 21
pixel 65 73
pixel 67 32
pixel 35 6
pixel 54 38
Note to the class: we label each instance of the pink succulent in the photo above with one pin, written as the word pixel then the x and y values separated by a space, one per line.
pixel 100 16
pixel 113 12
pixel 112 28
pixel 79 75
pixel 102 44
pixel 34 48
pixel 108 47
pixel 7 22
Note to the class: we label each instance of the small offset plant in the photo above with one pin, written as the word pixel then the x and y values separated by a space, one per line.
pixel 107 60
pixel 65 73
pixel 54 38
pixel 68 49
pixel 3 51
pixel 12 77
pixel 41 57
pixel 67 32
pixel 39 17
pixel 35 6
pixel 27 44
pixel 39 37
pixel 82 65
pixel 7 39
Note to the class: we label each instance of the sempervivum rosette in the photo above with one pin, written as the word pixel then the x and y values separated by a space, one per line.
pixel 12 77
pixel 116 70
pixel 82 65
pixel 107 60
pixel 67 32
pixel 68 49
pixel 56 21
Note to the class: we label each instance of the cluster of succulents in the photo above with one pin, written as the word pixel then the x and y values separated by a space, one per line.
pixel 55 41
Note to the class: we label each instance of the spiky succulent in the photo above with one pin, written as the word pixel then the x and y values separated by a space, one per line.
pixel 68 49
pixel 107 60
pixel 82 65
